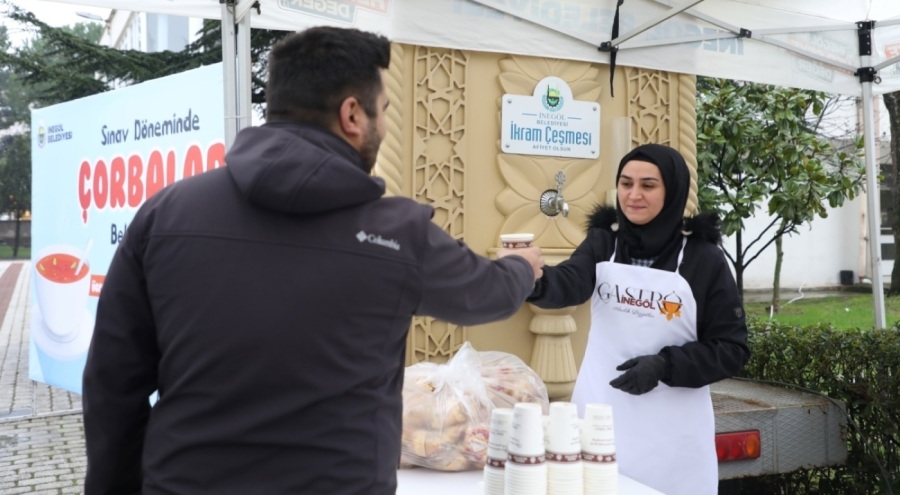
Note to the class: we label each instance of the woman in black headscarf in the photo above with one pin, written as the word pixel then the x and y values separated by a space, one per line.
pixel 666 321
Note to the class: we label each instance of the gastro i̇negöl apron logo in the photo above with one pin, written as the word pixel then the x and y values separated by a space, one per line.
pixel 668 305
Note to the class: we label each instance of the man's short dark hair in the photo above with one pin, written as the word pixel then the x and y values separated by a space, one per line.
pixel 313 71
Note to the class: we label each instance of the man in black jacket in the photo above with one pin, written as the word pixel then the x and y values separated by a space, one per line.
pixel 268 301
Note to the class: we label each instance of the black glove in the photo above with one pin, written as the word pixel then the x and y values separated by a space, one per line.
pixel 643 375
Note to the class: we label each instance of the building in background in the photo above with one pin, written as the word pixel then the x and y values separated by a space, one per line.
pixel 149 32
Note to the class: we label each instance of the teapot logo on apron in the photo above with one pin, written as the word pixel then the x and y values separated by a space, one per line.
pixel 671 306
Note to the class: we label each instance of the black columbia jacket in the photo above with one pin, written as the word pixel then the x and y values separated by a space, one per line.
pixel 269 301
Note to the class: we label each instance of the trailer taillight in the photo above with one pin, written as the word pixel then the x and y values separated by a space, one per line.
pixel 737 445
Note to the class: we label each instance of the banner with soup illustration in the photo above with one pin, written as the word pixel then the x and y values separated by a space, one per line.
pixel 94 162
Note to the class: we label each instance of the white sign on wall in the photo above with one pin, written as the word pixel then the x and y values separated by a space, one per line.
pixel 550 122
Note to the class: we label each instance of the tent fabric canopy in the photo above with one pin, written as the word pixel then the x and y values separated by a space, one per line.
pixel 811 44
pixel 848 47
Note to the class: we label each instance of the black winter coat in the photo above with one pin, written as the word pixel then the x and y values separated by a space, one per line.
pixel 269 302
pixel 721 350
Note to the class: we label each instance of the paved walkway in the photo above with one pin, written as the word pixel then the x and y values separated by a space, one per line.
pixel 41 436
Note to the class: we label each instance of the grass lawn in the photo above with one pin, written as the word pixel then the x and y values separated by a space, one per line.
pixel 853 310
pixel 6 252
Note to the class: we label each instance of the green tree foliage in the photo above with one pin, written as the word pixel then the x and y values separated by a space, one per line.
pixel 64 64
pixel 757 148
pixel 208 48
pixel 13 99
pixel 4 82
pixel 15 180
pixel 19 94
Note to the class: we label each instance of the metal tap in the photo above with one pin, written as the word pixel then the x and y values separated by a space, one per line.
pixel 552 202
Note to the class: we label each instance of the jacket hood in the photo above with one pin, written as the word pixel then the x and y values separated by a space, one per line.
pixel 704 226
pixel 299 169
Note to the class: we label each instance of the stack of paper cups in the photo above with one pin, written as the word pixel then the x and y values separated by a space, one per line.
pixel 598 450
pixel 498 440
pixel 526 471
pixel 562 441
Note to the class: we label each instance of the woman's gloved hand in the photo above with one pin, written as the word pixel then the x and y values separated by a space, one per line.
pixel 643 375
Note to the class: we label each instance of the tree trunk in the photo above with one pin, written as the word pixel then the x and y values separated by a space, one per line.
pixel 18 235
pixel 739 264
pixel 892 102
pixel 776 280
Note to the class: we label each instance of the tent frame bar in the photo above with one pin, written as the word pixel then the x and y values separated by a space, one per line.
pixel 735 29
pixel 778 43
pixel 890 61
pixel 652 23
pixel 734 32
pixel 761 35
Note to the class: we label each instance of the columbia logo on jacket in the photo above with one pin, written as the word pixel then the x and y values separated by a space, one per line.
pixel 377 239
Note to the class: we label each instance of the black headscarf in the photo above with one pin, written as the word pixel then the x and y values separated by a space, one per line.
pixel 662 233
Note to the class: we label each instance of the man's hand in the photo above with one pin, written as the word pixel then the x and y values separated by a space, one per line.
pixel 531 254
pixel 643 375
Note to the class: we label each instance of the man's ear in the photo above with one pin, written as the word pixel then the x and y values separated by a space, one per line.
pixel 351 121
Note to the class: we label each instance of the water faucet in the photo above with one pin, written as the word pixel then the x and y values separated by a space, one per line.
pixel 552 202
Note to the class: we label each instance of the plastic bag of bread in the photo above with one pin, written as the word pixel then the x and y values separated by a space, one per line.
pixel 447 407
pixel 509 380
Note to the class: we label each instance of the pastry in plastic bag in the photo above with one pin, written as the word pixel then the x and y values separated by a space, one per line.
pixel 447 408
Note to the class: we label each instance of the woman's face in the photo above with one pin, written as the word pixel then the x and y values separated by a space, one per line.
pixel 640 191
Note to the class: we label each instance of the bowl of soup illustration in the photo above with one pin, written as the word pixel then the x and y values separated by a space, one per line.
pixel 61 291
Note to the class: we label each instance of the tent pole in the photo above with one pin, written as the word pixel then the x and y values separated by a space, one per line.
pixel 228 64
pixel 873 191
pixel 243 72
pixel 873 200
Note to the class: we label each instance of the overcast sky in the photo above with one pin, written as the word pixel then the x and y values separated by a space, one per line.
pixel 53 13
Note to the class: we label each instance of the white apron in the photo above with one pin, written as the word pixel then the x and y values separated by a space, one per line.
pixel 665 438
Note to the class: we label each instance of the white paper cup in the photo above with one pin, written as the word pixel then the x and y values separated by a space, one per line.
pixel 498 436
pixel 601 478
pixel 62 295
pixel 494 480
pixel 563 429
pixel 525 479
pixel 597 433
pixel 565 478
pixel 526 439
pixel 517 240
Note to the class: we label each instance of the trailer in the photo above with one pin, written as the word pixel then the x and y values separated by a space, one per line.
pixel 766 429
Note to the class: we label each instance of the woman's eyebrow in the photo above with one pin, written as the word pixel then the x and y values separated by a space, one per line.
pixel 625 176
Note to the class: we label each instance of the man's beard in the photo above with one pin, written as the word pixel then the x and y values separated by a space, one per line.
pixel 369 149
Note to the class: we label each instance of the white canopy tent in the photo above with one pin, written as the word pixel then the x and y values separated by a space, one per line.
pixel 848 47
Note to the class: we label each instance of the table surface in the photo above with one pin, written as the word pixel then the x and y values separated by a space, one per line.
pixel 419 481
